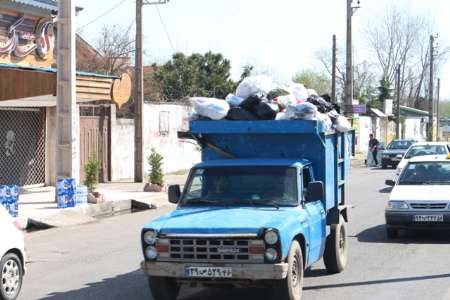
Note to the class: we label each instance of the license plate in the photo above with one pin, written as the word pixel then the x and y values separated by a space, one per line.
pixel 208 272
pixel 433 218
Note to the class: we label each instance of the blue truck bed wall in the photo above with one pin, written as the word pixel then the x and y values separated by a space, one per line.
pixel 329 152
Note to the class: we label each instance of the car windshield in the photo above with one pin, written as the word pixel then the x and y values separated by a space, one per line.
pixel 399 145
pixel 273 186
pixel 420 150
pixel 419 173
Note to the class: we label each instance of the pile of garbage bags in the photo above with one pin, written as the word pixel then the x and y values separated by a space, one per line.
pixel 257 98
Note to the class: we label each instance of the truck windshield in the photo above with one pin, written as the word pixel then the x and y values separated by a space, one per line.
pixel 420 173
pixel 272 186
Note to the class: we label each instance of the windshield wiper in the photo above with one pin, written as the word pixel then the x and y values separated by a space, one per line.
pixel 201 201
pixel 271 203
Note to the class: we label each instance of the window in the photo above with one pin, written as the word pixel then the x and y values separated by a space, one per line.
pixel 307 178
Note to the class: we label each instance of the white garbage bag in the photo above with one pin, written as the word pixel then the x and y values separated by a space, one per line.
pixel 233 100
pixel 212 108
pixel 301 111
pixel 325 120
pixel 254 85
pixel 342 124
pixel 299 91
pixel 285 101
pixel 281 116
pixel 312 92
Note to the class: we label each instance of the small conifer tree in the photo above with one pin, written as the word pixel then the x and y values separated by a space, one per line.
pixel 155 161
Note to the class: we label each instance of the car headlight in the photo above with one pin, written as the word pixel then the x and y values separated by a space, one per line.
pixel 271 237
pixel 397 205
pixel 151 253
pixel 399 156
pixel 150 237
pixel 271 255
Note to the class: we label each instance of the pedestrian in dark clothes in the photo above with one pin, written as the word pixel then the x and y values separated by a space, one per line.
pixel 373 147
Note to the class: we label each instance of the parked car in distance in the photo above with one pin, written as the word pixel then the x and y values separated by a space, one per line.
pixel 394 152
pixel 12 256
pixel 420 198
pixel 422 149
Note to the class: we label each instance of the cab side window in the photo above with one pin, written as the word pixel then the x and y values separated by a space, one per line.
pixel 306 179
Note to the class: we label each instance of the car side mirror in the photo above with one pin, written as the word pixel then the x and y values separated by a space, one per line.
pixel 315 191
pixel 174 193
pixel 390 182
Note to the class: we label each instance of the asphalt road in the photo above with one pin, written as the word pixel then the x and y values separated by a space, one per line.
pixel 101 260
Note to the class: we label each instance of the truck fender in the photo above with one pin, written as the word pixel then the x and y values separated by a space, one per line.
pixel 334 214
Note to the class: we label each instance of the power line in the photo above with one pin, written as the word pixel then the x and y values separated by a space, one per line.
pixel 102 15
pixel 165 29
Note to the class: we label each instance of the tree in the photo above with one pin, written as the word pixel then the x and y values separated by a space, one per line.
pixel 314 80
pixel 206 75
pixel 111 53
pixel 156 176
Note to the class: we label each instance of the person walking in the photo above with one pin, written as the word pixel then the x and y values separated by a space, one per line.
pixel 373 148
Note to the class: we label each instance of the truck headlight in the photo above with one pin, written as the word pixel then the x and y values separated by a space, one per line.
pixel 271 237
pixel 151 253
pixel 271 255
pixel 150 237
pixel 397 205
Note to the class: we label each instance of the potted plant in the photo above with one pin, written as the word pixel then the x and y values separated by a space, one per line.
pixel 92 170
pixel 156 176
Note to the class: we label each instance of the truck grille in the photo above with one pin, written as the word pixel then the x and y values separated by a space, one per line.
pixel 428 205
pixel 213 250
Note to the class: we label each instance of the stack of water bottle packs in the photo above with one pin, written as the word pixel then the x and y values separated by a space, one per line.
pixel 9 198
pixel 69 194
pixel 258 98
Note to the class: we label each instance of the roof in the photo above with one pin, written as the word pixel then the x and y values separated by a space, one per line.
pixel 378 113
pixel 54 70
pixel 430 158
pixel 33 102
pixel 42 4
pixel 406 110
pixel 253 163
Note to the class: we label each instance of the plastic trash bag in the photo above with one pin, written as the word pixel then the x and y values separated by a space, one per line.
pixel 240 114
pixel 212 108
pixel 312 92
pixel 285 101
pixel 299 91
pixel 234 100
pixel 342 124
pixel 254 85
pixel 250 103
pixel 302 111
pixel 266 111
pixel 273 94
pixel 325 120
pixel 281 116
pixel 322 105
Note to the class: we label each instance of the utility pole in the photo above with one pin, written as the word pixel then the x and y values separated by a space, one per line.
pixel 67 137
pixel 349 60
pixel 333 72
pixel 139 92
pixel 430 88
pixel 438 115
pixel 397 128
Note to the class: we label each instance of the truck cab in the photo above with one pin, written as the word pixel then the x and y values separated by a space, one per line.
pixel 250 221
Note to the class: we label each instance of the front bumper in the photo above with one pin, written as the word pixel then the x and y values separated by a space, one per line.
pixel 390 160
pixel 405 219
pixel 240 271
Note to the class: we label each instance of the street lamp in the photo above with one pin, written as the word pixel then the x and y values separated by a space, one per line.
pixel 351 9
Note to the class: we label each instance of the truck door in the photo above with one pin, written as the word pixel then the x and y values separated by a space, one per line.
pixel 316 215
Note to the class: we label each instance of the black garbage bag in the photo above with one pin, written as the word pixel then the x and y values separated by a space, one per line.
pixel 250 103
pixel 336 106
pixel 276 93
pixel 266 111
pixel 322 105
pixel 240 114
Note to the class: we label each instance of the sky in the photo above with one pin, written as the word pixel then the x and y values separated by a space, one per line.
pixel 278 36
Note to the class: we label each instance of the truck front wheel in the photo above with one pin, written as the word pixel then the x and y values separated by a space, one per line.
pixel 336 248
pixel 163 288
pixel 291 287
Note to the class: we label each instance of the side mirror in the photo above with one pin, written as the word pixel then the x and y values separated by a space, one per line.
pixel 315 191
pixel 174 193
pixel 390 182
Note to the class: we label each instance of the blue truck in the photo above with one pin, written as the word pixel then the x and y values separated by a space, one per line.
pixel 266 202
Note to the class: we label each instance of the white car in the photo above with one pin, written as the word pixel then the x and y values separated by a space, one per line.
pixel 12 256
pixel 421 149
pixel 420 199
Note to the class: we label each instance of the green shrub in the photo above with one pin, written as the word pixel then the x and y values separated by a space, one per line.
pixel 155 161
pixel 92 170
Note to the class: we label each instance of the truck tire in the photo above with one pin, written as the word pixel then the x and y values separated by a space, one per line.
pixel 163 288
pixel 11 276
pixel 291 287
pixel 391 233
pixel 336 248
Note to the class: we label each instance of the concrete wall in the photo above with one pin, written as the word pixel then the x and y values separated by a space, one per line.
pixel 161 124
pixel 50 146
pixel 414 128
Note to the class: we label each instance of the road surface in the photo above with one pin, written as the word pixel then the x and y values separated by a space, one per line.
pixel 101 260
